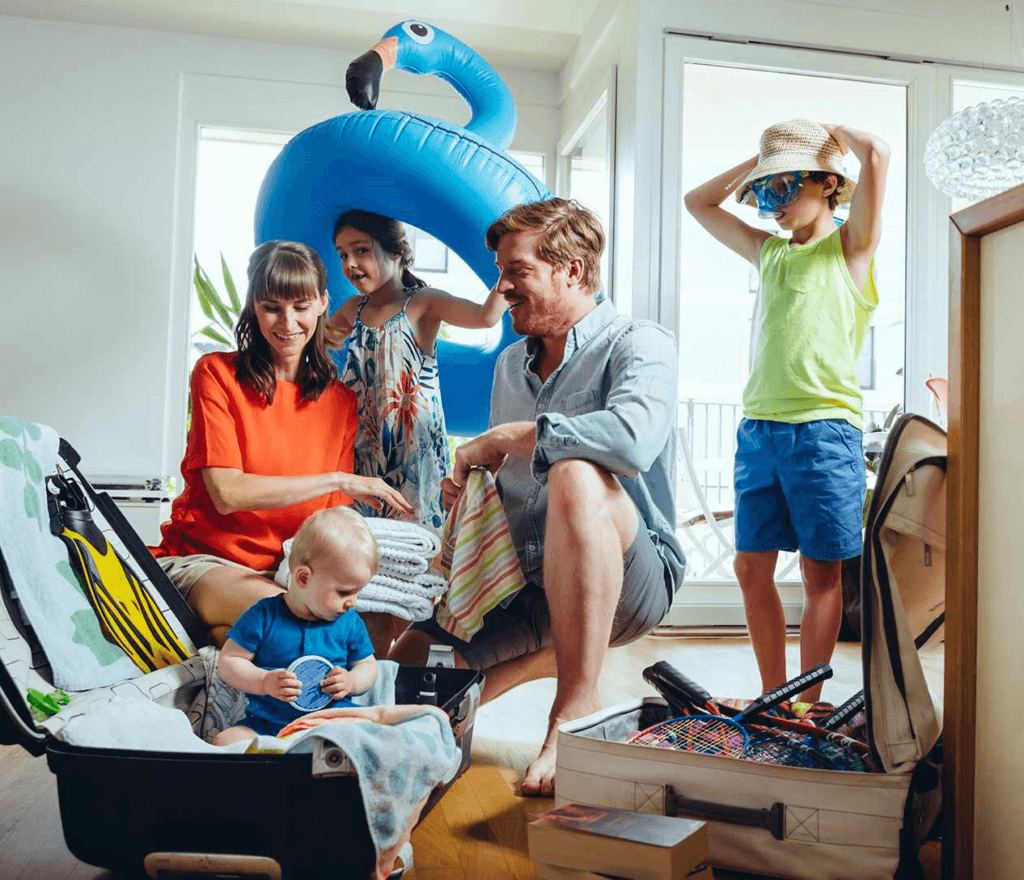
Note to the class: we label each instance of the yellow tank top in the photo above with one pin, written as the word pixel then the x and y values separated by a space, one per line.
pixel 808 334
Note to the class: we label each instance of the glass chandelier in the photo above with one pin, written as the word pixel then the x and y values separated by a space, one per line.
pixel 978 151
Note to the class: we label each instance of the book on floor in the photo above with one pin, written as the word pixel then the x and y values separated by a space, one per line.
pixel 605 840
pixel 556 872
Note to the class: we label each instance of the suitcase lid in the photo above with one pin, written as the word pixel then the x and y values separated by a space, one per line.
pixel 25 676
pixel 903 591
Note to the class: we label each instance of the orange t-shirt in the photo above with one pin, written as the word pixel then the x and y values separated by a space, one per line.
pixel 232 427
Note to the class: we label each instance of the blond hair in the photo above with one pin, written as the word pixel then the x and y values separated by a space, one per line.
pixel 336 528
pixel 569 231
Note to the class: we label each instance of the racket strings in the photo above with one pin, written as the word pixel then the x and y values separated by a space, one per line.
pixel 706 735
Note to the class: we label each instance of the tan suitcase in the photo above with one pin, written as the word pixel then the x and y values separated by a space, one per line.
pixel 800 823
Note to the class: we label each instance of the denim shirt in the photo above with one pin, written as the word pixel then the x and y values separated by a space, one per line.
pixel 611 401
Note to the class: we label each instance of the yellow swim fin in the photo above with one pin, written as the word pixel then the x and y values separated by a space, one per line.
pixel 128 616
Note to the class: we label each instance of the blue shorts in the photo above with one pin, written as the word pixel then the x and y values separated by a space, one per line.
pixel 800 487
pixel 259 724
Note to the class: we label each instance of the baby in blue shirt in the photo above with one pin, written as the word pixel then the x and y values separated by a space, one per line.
pixel 333 556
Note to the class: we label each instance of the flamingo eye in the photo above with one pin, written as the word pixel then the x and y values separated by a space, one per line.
pixel 420 33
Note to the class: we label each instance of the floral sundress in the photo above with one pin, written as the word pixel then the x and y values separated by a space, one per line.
pixel 401 436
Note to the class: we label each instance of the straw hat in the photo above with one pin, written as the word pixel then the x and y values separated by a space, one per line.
pixel 797 145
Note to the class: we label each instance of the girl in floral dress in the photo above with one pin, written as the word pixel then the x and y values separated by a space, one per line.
pixel 392 330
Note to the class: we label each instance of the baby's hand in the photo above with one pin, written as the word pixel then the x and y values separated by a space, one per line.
pixel 280 683
pixel 338 683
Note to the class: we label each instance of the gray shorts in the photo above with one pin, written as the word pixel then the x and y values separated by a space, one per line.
pixel 184 571
pixel 524 625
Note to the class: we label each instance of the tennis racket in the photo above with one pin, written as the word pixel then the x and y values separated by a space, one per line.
pixel 844 713
pixel 715 734
pixel 684 695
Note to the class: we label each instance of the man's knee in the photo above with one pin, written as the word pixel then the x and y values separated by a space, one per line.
pixel 581 493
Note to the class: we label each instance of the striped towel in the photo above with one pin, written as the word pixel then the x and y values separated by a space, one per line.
pixel 477 557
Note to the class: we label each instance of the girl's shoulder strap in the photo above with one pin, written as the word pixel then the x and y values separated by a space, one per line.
pixel 359 308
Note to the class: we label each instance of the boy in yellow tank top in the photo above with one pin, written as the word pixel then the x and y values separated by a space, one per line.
pixel 799 475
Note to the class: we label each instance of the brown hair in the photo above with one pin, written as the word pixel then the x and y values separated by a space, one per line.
pixel 339 528
pixel 290 271
pixel 569 230
pixel 822 178
pixel 390 234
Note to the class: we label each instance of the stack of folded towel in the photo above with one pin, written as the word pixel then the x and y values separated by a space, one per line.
pixel 403 586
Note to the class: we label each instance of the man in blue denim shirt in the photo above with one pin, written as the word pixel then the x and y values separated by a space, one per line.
pixel 583 416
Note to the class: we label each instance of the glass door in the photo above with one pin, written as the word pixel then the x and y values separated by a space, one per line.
pixel 718 99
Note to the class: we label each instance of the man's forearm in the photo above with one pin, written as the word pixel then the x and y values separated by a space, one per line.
pixel 517 439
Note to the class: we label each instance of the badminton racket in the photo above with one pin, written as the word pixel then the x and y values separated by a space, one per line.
pixel 713 734
pixel 684 694
pixel 796 744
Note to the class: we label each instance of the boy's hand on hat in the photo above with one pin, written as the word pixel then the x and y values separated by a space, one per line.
pixel 837 136
pixel 281 684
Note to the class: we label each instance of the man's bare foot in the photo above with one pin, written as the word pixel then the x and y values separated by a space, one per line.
pixel 540 775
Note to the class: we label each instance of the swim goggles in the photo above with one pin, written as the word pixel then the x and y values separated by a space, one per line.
pixel 776 191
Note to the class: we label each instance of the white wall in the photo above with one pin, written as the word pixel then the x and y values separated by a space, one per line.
pixel 98 123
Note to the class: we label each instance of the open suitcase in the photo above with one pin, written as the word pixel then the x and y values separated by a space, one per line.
pixel 290 815
pixel 811 824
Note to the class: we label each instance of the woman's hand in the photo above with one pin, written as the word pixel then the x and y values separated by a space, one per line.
pixel 372 491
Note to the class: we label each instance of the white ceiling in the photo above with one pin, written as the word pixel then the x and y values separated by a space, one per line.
pixel 534 34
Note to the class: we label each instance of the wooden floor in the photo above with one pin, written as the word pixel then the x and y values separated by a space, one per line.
pixel 478 830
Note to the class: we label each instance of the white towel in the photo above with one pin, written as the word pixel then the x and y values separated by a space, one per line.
pixel 403 585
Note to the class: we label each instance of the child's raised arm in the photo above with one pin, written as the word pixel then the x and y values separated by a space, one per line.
pixel 437 305
pixel 863 230
pixel 705 204
pixel 236 668
pixel 339 325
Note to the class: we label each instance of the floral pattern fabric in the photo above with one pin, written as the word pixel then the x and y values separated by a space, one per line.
pixel 401 436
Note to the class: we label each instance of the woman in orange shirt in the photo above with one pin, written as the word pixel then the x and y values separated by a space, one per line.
pixel 271 442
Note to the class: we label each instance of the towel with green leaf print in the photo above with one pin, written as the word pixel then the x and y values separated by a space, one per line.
pixel 39 575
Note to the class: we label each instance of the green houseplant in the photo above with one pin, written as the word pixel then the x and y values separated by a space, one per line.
pixel 221 312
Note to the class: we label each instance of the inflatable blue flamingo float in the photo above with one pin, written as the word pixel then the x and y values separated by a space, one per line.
pixel 449 181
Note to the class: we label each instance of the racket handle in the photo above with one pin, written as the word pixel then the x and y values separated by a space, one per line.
pixel 821 672
pixel 844 713
pixel 676 688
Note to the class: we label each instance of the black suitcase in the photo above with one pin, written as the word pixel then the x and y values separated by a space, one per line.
pixel 119 807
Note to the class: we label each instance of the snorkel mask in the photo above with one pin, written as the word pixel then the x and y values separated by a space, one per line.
pixel 776 191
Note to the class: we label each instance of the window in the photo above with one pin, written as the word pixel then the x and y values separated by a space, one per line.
pixel 967 93
pixel 586 172
pixel 231 167
pixel 718 98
